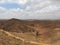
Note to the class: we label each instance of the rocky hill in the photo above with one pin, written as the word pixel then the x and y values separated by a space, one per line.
pixel 25 25
pixel 15 25
pixel 36 31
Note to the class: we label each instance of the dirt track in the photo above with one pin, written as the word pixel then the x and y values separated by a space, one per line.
pixel 22 38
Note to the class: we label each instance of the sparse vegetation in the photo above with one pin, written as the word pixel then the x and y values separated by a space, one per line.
pixel 32 32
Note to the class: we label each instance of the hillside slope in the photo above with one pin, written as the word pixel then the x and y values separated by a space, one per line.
pixel 34 32
pixel 6 38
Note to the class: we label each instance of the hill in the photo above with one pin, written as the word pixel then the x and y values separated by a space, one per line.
pixel 46 31
pixel 6 38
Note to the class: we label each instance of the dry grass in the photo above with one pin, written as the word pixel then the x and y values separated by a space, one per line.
pixel 21 32
pixel 6 38
pixel 14 38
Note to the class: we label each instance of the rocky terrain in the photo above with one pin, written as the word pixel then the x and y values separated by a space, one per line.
pixel 29 32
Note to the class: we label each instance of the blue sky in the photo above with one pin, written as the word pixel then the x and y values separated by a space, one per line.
pixel 30 9
pixel 12 5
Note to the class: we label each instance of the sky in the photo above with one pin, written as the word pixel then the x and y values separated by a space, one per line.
pixel 30 9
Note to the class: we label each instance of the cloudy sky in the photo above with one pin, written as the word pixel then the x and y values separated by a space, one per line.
pixel 30 9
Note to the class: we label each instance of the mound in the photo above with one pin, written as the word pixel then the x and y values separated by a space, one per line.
pixel 15 25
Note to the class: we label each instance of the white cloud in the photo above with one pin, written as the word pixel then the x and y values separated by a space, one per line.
pixel 44 9
pixel 2 1
pixel 11 13
pixel 22 2
pixel 36 9
pixel 2 10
